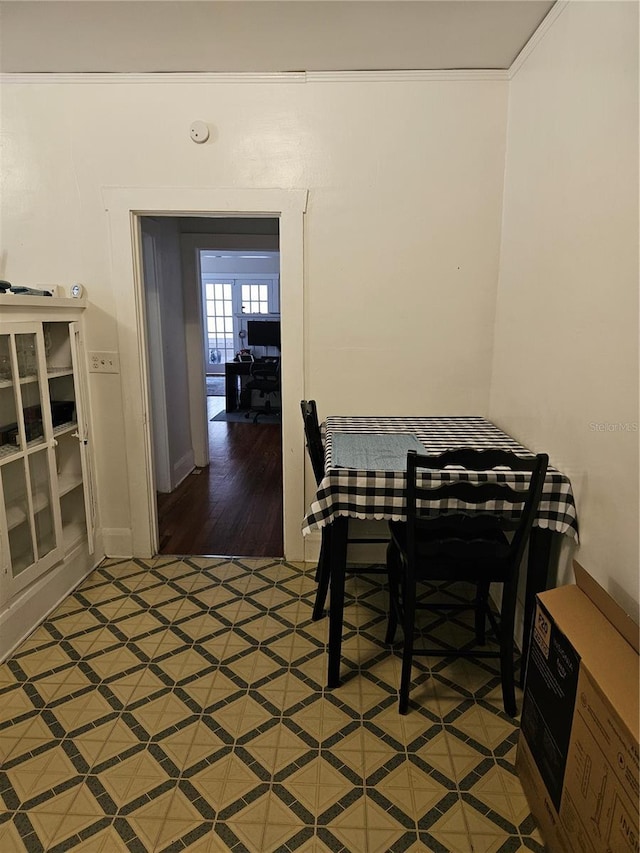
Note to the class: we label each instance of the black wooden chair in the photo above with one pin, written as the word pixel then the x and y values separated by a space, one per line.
pixel 265 379
pixel 315 448
pixel 469 544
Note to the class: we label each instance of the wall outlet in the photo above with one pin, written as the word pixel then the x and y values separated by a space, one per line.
pixel 104 362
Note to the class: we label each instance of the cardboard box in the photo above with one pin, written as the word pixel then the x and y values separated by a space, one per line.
pixel 578 750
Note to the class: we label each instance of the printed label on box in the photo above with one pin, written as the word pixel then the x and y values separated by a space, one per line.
pixel 552 678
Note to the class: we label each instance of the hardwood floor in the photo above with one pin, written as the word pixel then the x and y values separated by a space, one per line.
pixel 233 507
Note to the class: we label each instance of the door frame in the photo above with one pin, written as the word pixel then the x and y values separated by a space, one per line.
pixel 125 206
pixel 158 401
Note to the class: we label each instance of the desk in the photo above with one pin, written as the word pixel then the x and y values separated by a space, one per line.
pixel 233 370
pixel 348 492
pixel 232 389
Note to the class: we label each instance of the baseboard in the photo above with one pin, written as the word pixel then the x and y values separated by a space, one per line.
pixel 358 554
pixel 31 607
pixel 365 555
pixel 117 541
pixel 312 547
pixel 182 468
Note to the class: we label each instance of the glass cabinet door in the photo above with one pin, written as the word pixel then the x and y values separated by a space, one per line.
pixel 16 501
pixel 29 389
pixel 26 490
pixel 30 523
pixel 8 404
pixel 69 418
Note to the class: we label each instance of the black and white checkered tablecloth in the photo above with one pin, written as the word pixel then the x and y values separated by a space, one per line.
pixel 381 494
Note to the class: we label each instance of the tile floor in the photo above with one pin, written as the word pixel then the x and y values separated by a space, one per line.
pixel 179 704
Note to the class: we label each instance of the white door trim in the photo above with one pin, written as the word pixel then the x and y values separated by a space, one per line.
pixel 158 398
pixel 192 295
pixel 125 205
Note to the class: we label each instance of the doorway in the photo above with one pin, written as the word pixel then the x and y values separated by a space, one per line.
pixel 130 525
pixel 225 498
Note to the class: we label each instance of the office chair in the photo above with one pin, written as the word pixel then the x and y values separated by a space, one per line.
pixel 315 449
pixel 265 379
pixel 470 544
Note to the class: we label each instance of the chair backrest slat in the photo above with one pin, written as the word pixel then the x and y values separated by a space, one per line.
pixel 472 493
pixel 478 460
pixel 313 437
pixel 513 508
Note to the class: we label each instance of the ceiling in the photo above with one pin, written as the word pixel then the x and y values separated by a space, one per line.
pixel 263 35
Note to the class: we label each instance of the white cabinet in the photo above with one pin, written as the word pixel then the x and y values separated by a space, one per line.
pixel 46 487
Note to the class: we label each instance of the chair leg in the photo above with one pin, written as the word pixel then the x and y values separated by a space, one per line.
pixel 507 620
pixel 409 607
pixel 338 561
pixel 393 580
pixel 323 574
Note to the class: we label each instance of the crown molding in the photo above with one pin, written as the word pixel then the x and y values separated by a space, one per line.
pixel 545 25
pixel 155 78
pixel 116 78
pixel 452 74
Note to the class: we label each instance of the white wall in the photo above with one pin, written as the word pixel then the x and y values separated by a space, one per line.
pixel 166 353
pixel 565 368
pixel 401 234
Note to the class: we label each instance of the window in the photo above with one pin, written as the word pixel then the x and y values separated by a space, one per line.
pixel 255 299
pixel 228 301
pixel 219 305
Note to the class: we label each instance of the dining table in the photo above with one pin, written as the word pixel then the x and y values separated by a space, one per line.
pixel 365 477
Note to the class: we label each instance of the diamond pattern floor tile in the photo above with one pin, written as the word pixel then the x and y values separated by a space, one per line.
pixel 20 741
pixel 179 704
pixel 102 743
pixel 10 840
pixel 318 785
pixel 225 782
pixel 411 789
pixel 41 773
pixel 128 780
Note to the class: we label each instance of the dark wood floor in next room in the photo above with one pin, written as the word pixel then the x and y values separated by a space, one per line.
pixel 233 507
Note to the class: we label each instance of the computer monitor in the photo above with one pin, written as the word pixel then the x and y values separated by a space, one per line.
pixel 263 333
